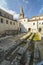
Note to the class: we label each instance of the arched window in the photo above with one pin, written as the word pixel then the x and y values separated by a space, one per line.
pixel 29 29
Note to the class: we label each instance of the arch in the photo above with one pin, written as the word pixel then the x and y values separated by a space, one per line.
pixel 29 29
pixel 39 30
pixel 20 29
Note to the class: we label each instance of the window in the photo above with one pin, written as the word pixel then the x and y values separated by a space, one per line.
pixel 42 22
pixel 29 29
pixel 20 29
pixel 14 23
pixel 39 29
pixel 24 20
pixel 0 13
pixel 10 22
pixel 6 21
pixel 1 20
pixel 20 14
pixel 33 23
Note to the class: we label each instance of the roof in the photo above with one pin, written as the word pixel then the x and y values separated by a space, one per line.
pixel 6 12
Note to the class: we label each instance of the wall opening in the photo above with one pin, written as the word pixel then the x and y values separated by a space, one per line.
pixel 20 29
pixel 29 29
pixel 39 29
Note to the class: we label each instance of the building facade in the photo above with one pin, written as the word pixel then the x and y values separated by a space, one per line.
pixel 34 24
pixel 7 23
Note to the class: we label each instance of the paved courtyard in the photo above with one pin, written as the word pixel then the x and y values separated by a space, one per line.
pixel 40 45
pixel 5 43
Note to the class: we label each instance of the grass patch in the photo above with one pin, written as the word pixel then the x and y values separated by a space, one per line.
pixel 31 47
pixel 37 37
pixel 23 44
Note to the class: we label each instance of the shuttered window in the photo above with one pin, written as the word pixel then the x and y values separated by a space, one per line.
pixel 1 20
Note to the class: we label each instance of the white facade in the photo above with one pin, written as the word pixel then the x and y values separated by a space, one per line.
pixel 40 25
pixel 34 24
pixel 25 25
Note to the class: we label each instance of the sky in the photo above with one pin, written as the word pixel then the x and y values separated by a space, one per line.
pixel 30 7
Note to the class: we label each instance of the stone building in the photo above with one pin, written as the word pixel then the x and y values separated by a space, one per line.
pixel 7 23
pixel 34 24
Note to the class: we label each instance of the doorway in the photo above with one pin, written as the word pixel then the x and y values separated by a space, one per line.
pixel 29 29
pixel 39 29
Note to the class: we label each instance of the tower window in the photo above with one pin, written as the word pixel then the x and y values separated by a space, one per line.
pixel 6 21
pixel 1 20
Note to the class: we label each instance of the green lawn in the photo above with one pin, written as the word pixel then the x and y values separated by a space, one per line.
pixel 37 37
pixel 23 44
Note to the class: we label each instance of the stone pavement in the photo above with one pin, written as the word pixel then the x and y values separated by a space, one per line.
pixel 8 41
pixel 40 46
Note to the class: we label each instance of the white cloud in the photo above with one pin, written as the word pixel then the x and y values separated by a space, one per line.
pixel 3 5
pixel 41 10
pixel 39 0
pixel 26 1
pixel 16 16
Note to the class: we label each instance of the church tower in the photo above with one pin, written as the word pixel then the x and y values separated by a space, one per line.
pixel 21 13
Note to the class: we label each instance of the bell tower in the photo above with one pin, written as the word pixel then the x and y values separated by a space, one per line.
pixel 21 13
